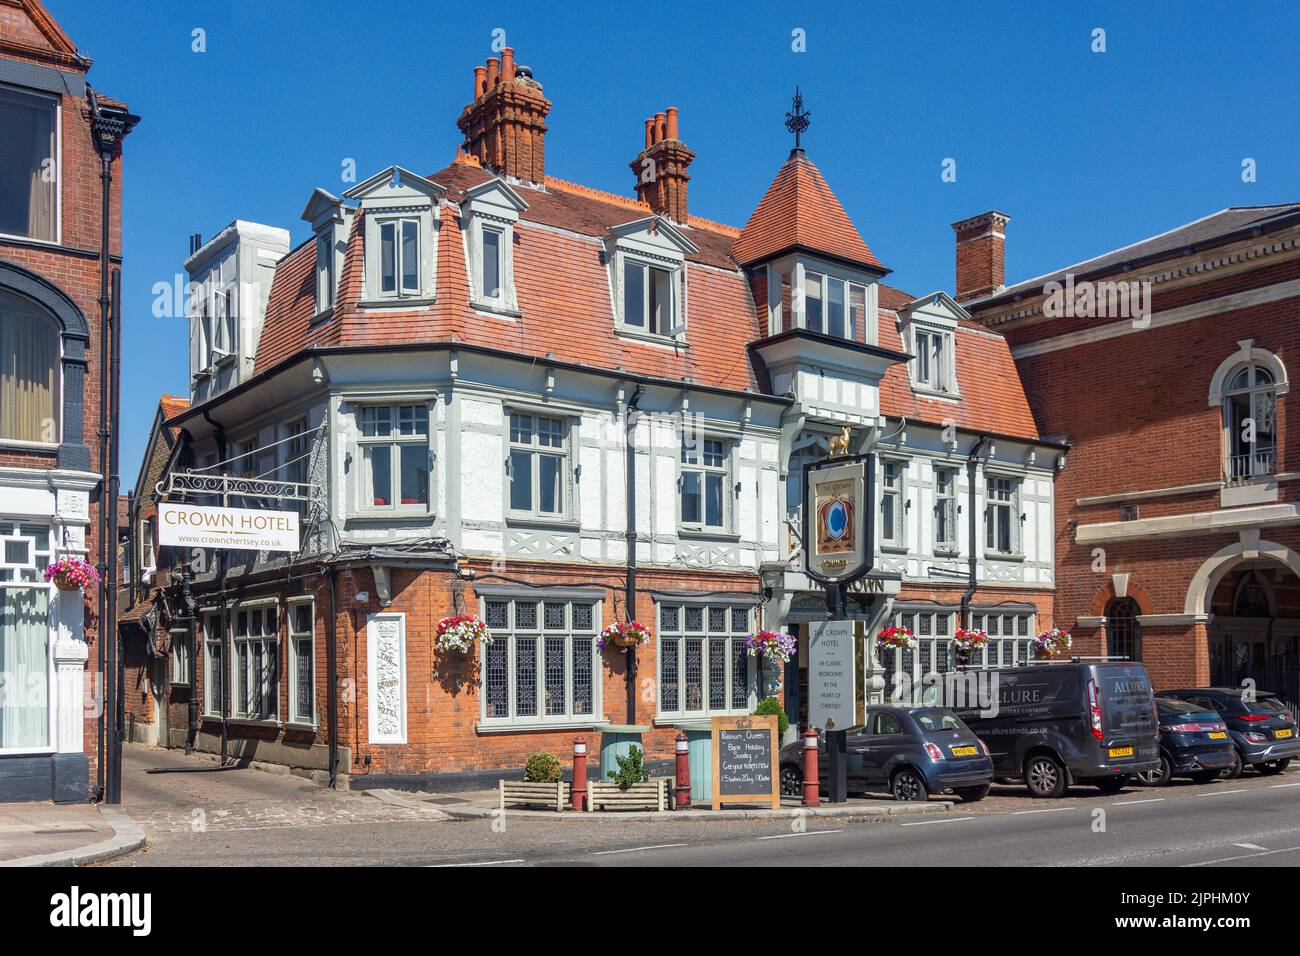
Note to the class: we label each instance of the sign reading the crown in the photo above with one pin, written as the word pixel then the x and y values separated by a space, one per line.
pixel 837 527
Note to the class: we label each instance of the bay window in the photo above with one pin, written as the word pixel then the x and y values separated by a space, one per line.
pixel 537 466
pixel 29 173
pixel 541 666
pixel 703 666
pixel 834 306
pixel 394 450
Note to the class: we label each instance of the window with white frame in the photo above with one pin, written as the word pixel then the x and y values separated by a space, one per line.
pixel 224 325
pixel 25 550
pixel 302 662
pixel 398 264
pixel 542 663
pixel 325 271
pixel 1002 516
pixel 932 367
pixel 295 465
pixel 703 667
pixel 182 649
pixel 1250 423
pixel 834 306
pixel 650 293
pixel 255 660
pixel 146 545
pixel 537 466
pixel 703 483
pixel 214 646
pixel 945 509
pixel 29 171
pixel 394 451
pixel 493 250
pixel 893 505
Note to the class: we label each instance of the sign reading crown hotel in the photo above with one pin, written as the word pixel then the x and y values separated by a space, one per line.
pixel 246 529
pixel 838 526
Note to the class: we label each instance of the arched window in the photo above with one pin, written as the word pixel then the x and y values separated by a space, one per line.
pixel 1250 419
pixel 29 371
pixel 1123 633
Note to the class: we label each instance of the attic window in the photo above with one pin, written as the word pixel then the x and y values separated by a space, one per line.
pixel 399 257
pixel 648 297
pixel 491 212
pixel 933 368
pixel 324 273
pixel 831 306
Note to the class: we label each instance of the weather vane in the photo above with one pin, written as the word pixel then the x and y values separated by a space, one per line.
pixel 798 121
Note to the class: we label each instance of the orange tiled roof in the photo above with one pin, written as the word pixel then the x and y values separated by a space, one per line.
pixel 799 209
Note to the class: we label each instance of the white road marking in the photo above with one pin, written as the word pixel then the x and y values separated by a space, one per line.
pixel 1219 793
pixel 634 849
pixel 1244 856
pixel 1277 786
pixel 1129 803
pixel 1251 846
pixel 1016 813
pixel 922 823
pixel 483 863
pixel 782 836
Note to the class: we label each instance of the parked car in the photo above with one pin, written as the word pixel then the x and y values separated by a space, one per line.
pixel 1194 743
pixel 910 752
pixel 1263 729
pixel 1057 724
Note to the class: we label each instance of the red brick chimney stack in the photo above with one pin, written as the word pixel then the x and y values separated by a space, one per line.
pixel 505 124
pixel 981 255
pixel 660 168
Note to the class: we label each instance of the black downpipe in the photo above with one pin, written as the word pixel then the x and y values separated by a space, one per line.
pixel 220 435
pixel 113 793
pixel 332 677
pixel 631 416
pixel 972 581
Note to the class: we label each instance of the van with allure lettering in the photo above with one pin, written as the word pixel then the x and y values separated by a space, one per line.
pixel 1059 724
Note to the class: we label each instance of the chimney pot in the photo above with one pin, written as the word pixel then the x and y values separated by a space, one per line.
pixel 665 191
pixel 508 65
pixel 493 72
pixel 480 81
pixel 661 122
pixel 671 130
pixel 505 124
pixel 649 132
pixel 981 255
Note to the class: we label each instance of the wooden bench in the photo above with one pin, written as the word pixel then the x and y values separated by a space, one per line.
pixel 553 796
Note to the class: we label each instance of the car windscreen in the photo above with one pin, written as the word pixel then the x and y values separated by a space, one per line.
pixel 1126 698
pixel 933 720
pixel 1269 704
pixel 1168 705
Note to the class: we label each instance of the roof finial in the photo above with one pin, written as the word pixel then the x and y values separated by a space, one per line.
pixel 798 120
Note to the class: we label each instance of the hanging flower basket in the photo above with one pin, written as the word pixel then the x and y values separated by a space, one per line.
pixel 968 642
pixel 458 634
pixel 623 634
pixel 774 645
pixel 1050 644
pixel 892 638
pixel 72 574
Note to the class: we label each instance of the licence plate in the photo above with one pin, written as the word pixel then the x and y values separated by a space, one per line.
pixel 964 751
pixel 1218 734
pixel 1279 734
pixel 1121 751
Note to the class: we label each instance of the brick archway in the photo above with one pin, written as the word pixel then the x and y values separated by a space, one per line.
pixel 1107 593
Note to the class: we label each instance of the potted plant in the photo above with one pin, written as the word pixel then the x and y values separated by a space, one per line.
pixel 1051 643
pixel 967 641
pixel 458 634
pixel 894 638
pixel 623 634
pixel 774 645
pixel 72 574
pixel 630 787
pixel 543 783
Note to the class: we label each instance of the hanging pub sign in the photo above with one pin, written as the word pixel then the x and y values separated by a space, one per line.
pixel 839 520
pixel 244 529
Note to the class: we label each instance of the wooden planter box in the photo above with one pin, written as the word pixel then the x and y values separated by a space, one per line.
pixel 607 795
pixel 553 796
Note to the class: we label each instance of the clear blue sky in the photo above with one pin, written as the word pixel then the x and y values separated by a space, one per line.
pixel 1085 151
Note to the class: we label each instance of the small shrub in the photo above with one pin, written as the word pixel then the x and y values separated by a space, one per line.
pixel 631 769
pixel 770 706
pixel 543 767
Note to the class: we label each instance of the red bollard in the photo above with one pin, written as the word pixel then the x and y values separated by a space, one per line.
pixel 579 773
pixel 683 795
pixel 811 787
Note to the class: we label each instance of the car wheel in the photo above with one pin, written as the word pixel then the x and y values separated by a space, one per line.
pixel 1158 777
pixel 1206 776
pixel 1045 777
pixel 791 782
pixel 1113 784
pixel 1234 771
pixel 1273 766
pixel 909 785
pixel 972 794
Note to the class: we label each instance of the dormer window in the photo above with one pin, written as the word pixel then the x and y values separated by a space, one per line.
pixel 931 359
pixel 829 304
pixel 491 211
pixel 401 229
pixel 330 220
pixel 324 274
pixel 929 332
pixel 648 270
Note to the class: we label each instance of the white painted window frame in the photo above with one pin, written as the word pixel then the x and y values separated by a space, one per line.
pixel 362 501
pixel 293 637
pixel 567 451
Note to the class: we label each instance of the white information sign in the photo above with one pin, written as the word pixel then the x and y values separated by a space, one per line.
pixel 247 529
pixel 832 697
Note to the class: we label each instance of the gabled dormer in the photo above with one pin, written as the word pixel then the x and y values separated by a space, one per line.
pixel 489 214
pixel 928 328
pixel 331 222
pixel 401 230
pixel 647 269
pixel 813 270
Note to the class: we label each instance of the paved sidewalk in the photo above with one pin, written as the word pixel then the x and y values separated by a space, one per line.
pixel 48 834
pixel 476 804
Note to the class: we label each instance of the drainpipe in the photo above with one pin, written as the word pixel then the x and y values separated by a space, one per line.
pixel 332 677
pixel 631 414
pixel 972 466
pixel 222 451
pixel 109 125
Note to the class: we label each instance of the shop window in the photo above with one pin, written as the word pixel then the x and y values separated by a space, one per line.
pixel 541 666
pixel 703 667
pixel 24 655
